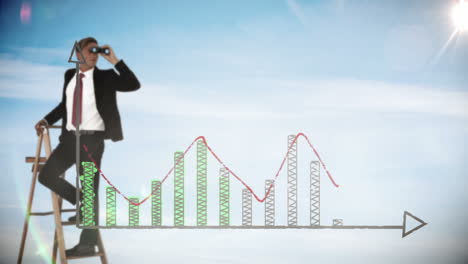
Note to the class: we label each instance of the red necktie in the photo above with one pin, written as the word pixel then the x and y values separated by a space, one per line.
pixel 75 101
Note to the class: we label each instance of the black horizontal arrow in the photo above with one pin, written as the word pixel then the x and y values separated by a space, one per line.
pixel 403 227
pixel 422 223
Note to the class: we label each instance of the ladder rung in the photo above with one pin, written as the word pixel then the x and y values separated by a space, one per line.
pixel 51 212
pixel 31 159
pixel 99 254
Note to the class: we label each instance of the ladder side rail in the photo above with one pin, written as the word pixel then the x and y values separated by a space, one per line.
pixel 30 199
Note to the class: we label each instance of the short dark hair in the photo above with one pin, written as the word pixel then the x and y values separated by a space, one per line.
pixel 85 41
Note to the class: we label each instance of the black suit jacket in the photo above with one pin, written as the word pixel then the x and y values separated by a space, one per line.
pixel 106 84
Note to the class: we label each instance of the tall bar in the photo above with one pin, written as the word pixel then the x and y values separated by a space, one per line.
pixel 87 180
pixel 246 207
pixel 314 193
pixel 179 188
pixel 201 184
pixel 111 206
pixel 270 203
pixel 224 197
pixel 156 203
pixel 292 181
pixel 133 212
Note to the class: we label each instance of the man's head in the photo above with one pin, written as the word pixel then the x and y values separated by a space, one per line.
pixel 91 58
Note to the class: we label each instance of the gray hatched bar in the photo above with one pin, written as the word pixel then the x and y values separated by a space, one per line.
pixel 246 207
pixel 292 181
pixel 314 193
pixel 270 203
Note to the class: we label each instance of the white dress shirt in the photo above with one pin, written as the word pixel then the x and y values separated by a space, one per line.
pixel 90 117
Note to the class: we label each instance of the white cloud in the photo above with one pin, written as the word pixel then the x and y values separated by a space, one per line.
pixel 23 79
pixel 363 95
pixel 248 98
pixel 298 99
pixel 42 52
pixel 297 11
pixel 170 101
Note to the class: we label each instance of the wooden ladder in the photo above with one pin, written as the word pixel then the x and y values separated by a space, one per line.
pixel 59 242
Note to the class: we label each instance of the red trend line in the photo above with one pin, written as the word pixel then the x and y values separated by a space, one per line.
pixel 224 165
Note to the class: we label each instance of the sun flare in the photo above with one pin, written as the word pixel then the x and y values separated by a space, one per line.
pixel 460 16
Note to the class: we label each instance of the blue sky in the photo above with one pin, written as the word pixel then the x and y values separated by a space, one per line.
pixel 369 82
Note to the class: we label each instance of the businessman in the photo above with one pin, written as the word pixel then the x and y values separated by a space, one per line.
pixel 100 120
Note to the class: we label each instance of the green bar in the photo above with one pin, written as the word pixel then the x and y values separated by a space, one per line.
pixel 156 204
pixel 87 179
pixel 111 206
pixel 224 197
pixel 201 184
pixel 179 188
pixel 133 212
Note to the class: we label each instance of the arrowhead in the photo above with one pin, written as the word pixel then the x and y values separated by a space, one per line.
pixel 76 48
pixel 405 232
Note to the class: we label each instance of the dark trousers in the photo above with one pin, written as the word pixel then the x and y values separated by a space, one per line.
pixel 61 159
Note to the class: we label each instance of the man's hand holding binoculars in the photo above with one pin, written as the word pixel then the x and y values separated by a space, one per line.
pixel 105 51
pixel 110 56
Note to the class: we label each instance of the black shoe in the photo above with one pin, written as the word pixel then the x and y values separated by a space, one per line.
pixel 81 250
pixel 73 218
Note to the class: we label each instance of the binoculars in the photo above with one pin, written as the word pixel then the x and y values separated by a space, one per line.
pixel 99 50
